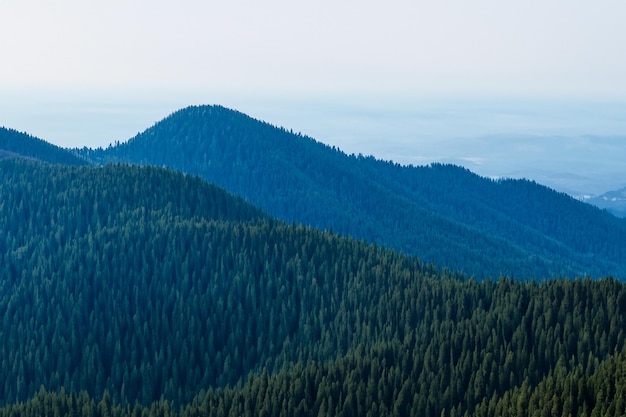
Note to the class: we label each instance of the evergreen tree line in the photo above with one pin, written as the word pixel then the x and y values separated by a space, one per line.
pixel 333 390
pixel 142 291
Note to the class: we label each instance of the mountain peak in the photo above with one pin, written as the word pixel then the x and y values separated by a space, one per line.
pixel 443 214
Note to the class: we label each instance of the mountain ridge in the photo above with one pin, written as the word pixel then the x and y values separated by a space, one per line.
pixel 441 213
pixel 444 214
pixel 18 144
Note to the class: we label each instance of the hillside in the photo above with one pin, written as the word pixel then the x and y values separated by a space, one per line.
pixel 444 214
pixel 143 291
pixel 16 144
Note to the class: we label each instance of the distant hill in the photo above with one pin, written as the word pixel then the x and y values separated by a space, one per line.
pixel 17 144
pixel 442 213
pixel 612 201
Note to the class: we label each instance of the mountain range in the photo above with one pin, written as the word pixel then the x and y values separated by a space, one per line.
pixel 139 290
pixel 613 201
pixel 442 213
pixel 130 290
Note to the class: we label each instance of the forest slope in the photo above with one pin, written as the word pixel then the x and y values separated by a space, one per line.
pixel 137 286
pixel 443 214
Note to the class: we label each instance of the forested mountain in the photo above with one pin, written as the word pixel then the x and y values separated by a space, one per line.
pixel 17 144
pixel 443 214
pixel 142 291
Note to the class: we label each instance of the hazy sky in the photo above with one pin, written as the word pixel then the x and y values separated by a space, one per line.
pixel 530 47
pixel 408 80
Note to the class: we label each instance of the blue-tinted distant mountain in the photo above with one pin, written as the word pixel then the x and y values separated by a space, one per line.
pixel 613 201
pixel 17 144
pixel 571 146
pixel 442 213
pixel 576 165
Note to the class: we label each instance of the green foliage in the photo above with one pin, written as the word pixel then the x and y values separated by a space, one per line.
pixel 443 214
pixel 141 291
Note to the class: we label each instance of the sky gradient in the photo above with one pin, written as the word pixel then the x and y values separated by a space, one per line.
pixel 279 47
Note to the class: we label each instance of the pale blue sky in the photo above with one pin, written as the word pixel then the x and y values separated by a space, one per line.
pixel 286 47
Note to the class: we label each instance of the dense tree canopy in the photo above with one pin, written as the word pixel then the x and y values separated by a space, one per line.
pixel 143 291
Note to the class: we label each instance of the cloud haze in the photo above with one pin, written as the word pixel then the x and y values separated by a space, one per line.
pixel 481 47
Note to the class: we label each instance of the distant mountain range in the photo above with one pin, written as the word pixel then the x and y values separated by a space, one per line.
pixel 612 201
pixel 14 144
pixel 442 213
